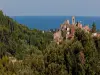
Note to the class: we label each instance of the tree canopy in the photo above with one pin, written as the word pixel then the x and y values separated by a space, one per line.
pixel 25 51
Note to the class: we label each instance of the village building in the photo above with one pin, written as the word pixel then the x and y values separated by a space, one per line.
pixel 69 30
pixel 57 37
pixel 86 28
pixel 73 20
pixel 94 34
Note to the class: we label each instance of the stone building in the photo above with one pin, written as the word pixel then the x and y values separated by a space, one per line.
pixel 57 37
pixel 68 30
pixel 86 28
pixel 73 20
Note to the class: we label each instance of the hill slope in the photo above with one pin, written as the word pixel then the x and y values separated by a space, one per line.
pixel 30 52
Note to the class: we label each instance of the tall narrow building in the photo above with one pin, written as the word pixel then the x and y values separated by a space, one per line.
pixel 73 20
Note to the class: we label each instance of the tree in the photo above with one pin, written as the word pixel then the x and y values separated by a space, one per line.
pixel 93 27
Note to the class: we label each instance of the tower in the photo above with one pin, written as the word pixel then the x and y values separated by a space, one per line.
pixel 73 20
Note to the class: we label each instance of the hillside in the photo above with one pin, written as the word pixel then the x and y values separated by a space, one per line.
pixel 25 51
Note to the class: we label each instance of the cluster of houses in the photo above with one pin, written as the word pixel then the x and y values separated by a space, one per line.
pixel 69 30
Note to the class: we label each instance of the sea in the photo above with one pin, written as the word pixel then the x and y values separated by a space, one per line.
pixel 54 22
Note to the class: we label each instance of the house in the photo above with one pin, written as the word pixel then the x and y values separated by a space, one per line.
pixel 86 28
pixel 79 25
pixel 57 37
pixel 98 34
pixel 70 32
pixel 95 34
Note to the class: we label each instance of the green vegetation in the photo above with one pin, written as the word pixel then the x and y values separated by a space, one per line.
pixel 24 51
pixel 93 27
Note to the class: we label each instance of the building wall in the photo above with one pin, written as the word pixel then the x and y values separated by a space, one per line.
pixel 73 20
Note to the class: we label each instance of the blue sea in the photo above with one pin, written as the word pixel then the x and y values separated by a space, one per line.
pixel 53 22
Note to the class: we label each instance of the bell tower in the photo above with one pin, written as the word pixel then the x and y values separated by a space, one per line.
pixel 73 20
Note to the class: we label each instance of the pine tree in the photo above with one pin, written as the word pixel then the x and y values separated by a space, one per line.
pixel 93 27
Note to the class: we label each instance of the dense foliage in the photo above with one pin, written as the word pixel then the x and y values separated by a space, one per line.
pixel 24 51
pixel 93 27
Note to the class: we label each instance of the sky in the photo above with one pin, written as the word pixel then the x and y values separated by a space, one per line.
pixel 50 7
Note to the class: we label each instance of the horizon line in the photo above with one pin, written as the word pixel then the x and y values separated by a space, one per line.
pixel 55 15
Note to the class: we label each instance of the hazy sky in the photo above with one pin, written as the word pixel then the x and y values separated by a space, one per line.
pixel 51 7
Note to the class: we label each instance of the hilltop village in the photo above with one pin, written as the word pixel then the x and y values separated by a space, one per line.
pixel 69 30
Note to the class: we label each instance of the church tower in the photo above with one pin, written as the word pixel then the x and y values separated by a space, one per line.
pixel 73 20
